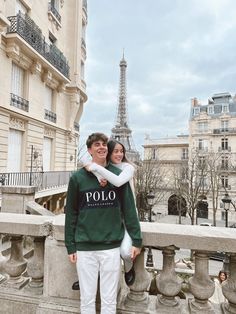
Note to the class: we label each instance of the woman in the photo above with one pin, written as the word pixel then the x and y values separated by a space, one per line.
pixel 116 155
pixel 218 296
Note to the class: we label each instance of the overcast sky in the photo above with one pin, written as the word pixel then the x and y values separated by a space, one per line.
pixel 175 50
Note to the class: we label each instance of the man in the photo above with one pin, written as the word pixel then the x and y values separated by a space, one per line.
pixel 94 229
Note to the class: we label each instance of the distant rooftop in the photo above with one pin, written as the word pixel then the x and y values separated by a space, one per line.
pixel 179 140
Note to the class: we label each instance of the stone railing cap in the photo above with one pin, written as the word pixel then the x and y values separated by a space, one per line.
pixel 189 237
pixel 23 224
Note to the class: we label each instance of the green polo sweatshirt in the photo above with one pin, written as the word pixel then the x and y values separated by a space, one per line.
pixel 95 214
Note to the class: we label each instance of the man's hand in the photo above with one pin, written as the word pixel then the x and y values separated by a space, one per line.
pixel 103 182
pixel 135 251
pixel 73 258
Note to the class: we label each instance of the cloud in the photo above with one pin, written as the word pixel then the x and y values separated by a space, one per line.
pixel 175 50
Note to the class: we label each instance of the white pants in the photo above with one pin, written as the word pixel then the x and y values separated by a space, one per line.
pixel 125 251
pixel 89 265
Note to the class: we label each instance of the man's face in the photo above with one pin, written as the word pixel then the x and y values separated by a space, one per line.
pixel 98 151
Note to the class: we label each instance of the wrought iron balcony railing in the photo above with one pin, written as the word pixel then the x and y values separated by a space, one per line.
pixel 19 102
pixel 51 116
pixel 24 26
pixel 224 149
pixel 53 10
pixel 224 130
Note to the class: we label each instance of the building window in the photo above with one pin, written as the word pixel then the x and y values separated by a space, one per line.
pixel 202 162
pixel 225 125
pixel 184 153
pixel 210 109
pixel 49 110
pixel 203 126
pixel 17 80
pixel 225 181
pixel 15 142
pixel 224 162
pixel 52 38
pixel 47 153
pixel 224 144
pixel 203 145
pixel 154 153
pixel 196 111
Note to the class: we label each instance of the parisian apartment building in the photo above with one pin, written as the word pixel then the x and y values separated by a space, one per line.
pixel 211 138
pixel 42 91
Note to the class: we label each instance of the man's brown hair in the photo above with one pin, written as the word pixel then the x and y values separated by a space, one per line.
pixel 94 137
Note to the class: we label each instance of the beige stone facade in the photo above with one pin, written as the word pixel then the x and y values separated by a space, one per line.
pixel 42 92
pixel 212 130
pixel 169 155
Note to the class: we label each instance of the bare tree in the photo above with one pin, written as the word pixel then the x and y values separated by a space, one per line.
pixel 214 161
pixel 190 182
pixel 149 178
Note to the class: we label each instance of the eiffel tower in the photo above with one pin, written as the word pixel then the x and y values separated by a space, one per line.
pixel 121 132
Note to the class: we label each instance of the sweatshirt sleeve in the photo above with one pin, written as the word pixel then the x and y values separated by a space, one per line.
pixel 130 215
pixel 125 176
pixel 71 215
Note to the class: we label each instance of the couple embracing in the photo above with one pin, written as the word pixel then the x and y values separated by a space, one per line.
pixel 102 223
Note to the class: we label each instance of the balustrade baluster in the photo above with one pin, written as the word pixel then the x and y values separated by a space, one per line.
pixel 201 286
pixel 138 298
pixel 16 265
pixel 2 262
pixel 168 283
pixel 229 288
pixel 35 266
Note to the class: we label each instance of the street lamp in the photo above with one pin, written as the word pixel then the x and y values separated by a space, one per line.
pixel 150 201
pixel 226 202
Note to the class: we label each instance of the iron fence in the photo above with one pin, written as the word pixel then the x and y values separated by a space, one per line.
pixel 42 180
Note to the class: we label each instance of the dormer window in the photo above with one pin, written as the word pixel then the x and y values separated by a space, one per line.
pixel 210 109
pixel 225 108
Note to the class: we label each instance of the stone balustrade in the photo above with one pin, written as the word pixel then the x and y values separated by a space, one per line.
pixel 42 283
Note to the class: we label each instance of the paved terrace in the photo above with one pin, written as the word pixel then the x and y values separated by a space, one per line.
pixel 40 282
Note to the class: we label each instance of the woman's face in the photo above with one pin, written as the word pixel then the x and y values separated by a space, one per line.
pixel 117 154
pixel 222 277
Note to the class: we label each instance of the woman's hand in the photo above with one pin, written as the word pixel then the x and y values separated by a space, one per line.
pixel 73 258
pixel 135 251
pixel 103 182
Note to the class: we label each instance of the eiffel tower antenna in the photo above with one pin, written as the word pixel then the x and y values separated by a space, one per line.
pixel 121 130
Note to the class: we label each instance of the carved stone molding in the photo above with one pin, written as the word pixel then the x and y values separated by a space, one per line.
pixel 14 52
pixel 16 123
pixel 36 67
pixel 49 132
pixel 47 78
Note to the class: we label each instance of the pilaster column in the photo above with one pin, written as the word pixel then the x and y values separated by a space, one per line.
pixel 16 264
pixel 168 283
pixel 229 288
pixel 201 286
pixel 35 267
pixel 138 297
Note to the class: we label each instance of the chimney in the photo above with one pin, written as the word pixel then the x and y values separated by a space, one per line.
pixel 194 102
